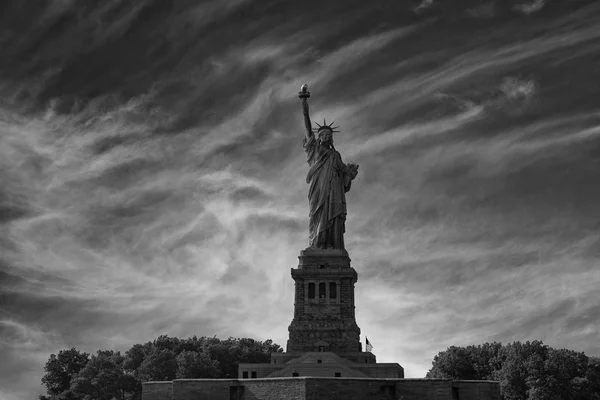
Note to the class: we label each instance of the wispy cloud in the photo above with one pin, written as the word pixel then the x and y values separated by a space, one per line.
pixel 153 178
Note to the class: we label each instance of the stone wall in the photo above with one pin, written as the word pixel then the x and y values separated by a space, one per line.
pixel 232 389
pixel 381 370
pixel 478 390
pixel 157 391
pixel 378 389
pixel 203 389
pixel 319 370
pixel 419 389
pixel 311 388
pixel 275 389
pixel 262 370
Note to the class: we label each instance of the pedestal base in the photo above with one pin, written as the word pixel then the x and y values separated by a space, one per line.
pixel 324 318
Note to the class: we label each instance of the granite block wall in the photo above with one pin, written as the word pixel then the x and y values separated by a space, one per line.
pixel 157 391
pixel 203 389
pixel 275 389
pixel 381 370
pixel 478 390
pixel 375 389
pixel 310 388
pixel 419 389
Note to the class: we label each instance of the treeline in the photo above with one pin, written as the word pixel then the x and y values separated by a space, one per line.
pixel 526 371
pixel 106 375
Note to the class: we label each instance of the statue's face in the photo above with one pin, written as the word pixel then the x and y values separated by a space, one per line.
pixel 326 136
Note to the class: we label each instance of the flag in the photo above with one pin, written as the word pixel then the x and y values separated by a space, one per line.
pixel 369 346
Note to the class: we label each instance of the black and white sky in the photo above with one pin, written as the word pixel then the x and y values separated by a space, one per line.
pixel 153 177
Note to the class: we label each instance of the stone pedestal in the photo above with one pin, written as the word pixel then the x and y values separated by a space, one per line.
pixel 324 317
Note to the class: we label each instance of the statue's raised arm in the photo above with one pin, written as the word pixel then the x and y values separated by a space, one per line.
pixel 304 95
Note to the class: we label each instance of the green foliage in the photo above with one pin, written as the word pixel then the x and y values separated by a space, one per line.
pixel 61 369
pixel 103 378
pixel 134 357
pixel 72 375
pixel 193 364
pixel 159 365
pixel 526 371
pixel 472 362
pixel 592 376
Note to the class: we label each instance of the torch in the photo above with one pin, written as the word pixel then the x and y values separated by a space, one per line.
pixel 304 93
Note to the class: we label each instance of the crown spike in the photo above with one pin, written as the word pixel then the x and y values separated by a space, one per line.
pixel 326 126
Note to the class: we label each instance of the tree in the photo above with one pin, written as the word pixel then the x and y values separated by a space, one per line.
pixel 566 370
pixel 61 369
pixel 521 367
pixel 134 357
pixel 526 371
pixel 472 362
pixel 486 359
pixel 455 362
pixel 193 364
pixel 73 375
pixel 592 375
pixel 231 352
pixel 159 365
pixel 164 342
pixel 103 378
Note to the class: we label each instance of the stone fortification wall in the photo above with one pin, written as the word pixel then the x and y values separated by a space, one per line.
pixel 203 389
pixel 472 389
pixel 291 388
pixel 157 391
pixel 311 388
pixel 381 370
pixel 378 389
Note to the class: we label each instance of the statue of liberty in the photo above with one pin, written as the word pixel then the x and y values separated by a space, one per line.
pixel 329 179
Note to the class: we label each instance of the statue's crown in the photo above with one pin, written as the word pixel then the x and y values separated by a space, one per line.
pixel 325 126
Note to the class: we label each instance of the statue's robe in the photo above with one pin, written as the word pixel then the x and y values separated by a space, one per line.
pixel 329 181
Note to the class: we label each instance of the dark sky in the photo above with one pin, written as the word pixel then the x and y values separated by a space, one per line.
pixel 153 178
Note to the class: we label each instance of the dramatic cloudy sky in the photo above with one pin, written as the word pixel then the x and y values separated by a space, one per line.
pixel 153 178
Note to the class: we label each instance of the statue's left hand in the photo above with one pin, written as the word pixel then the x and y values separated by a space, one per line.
pixel 352 170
